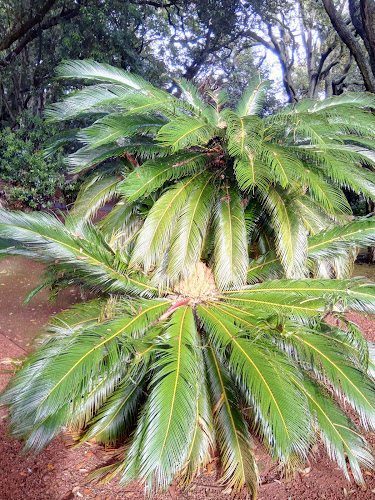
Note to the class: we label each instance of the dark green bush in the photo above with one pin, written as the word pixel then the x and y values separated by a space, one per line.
pixel 29 179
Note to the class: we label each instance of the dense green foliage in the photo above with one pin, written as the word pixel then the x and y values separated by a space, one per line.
pixel 31 180
pixel 217 43
pixel 231 242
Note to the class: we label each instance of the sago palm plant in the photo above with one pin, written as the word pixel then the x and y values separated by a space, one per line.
pixel 230 244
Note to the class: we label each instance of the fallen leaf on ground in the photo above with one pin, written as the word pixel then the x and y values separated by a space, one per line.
pixel 50 466
pixel 210 468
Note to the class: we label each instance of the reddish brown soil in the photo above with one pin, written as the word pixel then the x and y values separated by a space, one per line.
pixel 59 472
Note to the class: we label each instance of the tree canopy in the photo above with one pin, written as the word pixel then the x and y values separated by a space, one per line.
pixel 318 47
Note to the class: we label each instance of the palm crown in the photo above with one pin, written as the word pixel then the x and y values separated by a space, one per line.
pixel 214 275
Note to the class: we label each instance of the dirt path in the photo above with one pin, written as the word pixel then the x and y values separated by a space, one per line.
pixel 18 276
pixel 59 472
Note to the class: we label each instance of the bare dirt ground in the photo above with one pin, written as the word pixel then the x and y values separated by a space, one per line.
pixel 60 472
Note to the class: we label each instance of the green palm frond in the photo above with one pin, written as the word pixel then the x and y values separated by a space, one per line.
pixel 347 381
pixel 349 176
pixel 339 239
pixel 184 132
pixel 121 226
pixel 76 366
pixel 94 194
pixel 290 233
pixel 92 70
pixel 355 100
pixel 193 98
pixel 170 414
pixel 239 466
pixel 154 173
pixel 115 126
pixel 252 100
pixel 322 246
pixel 81 249
pixel 190 231
pixel 330 197
pixel 285 166
pixel 93 99
pixel 245 134
pixel 315 219
pixel 251 173
pixel 203 439
pixel 116 416
pixel 279 411
pixel 156 232
pixel 230 250
pixel 87 157
pixel 265 267
pixel 305 298
pixel 339 435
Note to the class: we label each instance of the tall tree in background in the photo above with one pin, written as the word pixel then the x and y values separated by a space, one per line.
pixel 198 40
pixel 356 28
pixel 111 32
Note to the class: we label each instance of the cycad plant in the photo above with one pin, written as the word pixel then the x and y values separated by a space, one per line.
pixel 230 244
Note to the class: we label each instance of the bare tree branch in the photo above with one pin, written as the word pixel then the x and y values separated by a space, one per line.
pixel 34 33
pixel 352 43
pixel 19 32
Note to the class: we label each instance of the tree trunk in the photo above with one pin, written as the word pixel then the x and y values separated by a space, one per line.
pixel 353 43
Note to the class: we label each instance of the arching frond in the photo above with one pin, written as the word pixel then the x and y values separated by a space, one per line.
pixel 203 439
pixel 154 173
pixel 252 100
pixel 82 250
pixel 345 378
pixel 285 166
pixel 339 435
pixel 92 99
pixel 280 410
pixel 190 231
pixel 245 134
pixel 92 70
pixel 339 239
pixel 310 295
pixel 230 250
pixel 170 414
pixel 192 96
pixel 184 132
pixel 94 194
pixel 290 233
pixel 118 413
pixel 56 376
pixel 266 267
pixel 115 126
pixel 87 157
pixel 238 463
pixel 157 229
